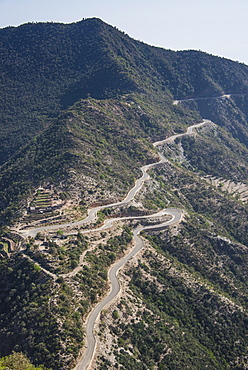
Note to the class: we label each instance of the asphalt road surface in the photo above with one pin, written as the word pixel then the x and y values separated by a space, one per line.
pixel 176 215
pixel 85 362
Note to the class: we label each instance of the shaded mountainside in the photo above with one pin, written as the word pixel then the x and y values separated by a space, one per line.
pixel 46 67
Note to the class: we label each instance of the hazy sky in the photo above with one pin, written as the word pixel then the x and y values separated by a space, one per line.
pixel 219 27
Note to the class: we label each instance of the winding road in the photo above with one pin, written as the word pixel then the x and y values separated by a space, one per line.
pixel 176 214
pixel 92 213
pixel 223 96
pixel 115 287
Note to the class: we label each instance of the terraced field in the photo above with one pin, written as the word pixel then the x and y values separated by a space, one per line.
pixel 236 189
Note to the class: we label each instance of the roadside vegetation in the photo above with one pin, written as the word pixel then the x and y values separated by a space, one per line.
pixel 17 361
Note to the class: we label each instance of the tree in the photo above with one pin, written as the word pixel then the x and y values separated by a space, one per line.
pixel 17 361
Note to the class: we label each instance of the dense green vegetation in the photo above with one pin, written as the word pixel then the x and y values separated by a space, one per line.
pixel 49 66
pixel 197 311
pixel 39 316
pixel 26 323
pixel 72 144
pixel 17 361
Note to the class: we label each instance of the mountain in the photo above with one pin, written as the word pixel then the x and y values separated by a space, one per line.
pixel 82 104
pixel 46 67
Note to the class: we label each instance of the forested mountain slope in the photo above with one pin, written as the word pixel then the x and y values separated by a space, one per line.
pixel 95 141
pixel 46 67
pixel 81 105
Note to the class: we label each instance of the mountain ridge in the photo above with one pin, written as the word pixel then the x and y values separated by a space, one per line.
pixel 47 67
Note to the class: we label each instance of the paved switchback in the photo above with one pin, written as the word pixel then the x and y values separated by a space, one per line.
pixel 176 215
pixel 85 362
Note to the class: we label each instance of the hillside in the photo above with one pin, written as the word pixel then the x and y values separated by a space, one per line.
pixel 185 295
pixel 47 67
pixel 82 105
pixel 184 299
pixel 52 66
pixel 96 147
